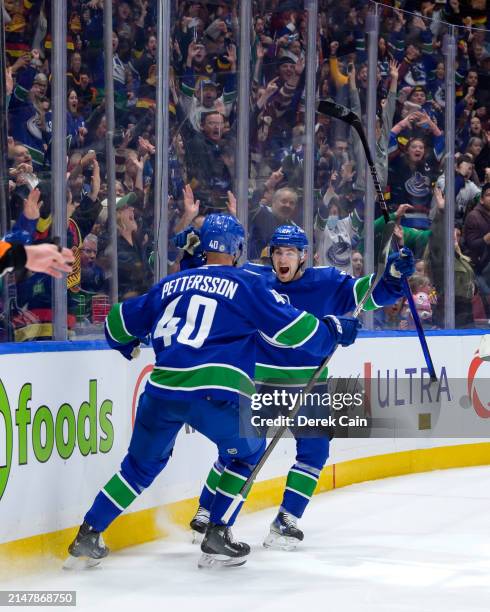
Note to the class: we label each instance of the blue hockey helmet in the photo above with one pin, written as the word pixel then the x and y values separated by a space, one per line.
pixel 288 236
pixel 222 234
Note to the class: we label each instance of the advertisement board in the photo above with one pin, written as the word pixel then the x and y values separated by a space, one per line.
pixel 66 419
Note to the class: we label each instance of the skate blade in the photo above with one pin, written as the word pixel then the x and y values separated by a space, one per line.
pixel 275 541
pixel 197 537
pixel 80 563
pixel 208 561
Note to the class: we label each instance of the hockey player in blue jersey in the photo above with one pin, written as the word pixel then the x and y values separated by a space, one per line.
pixel 203 324
pixel 321 291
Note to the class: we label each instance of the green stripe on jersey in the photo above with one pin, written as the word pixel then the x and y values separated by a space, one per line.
pixel 211 376
pixel 230 483
pixel 298 376
pixel 21 93
pixel 186 90
pixel 116 326
pixel 297 332
pixel 361 287
pixel 36 154
pixel 119 491
pixel 213 479
pixel 302 483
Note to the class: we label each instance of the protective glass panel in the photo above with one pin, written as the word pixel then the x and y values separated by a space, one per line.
pixel 203 118
pixel 26 297
pixel 340 180
pixel 472 172
pixel 411 140
pixel 277 122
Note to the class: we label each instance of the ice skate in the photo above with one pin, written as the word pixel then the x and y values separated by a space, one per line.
pixel 220 549
pixel 199 525
pixel 86 550
pixel 284 533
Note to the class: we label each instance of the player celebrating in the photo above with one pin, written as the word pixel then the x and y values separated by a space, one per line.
pixel 45 258
pixel 203 324
pixel 321 291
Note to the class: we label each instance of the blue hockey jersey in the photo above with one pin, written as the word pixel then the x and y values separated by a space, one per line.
pixel 203 325
pixel 321 291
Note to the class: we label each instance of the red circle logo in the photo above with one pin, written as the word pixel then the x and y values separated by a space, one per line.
pixel 478 405
pixel 136 393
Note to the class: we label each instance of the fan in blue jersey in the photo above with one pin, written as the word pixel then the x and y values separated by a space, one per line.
pixel 322 292
pixel 203 324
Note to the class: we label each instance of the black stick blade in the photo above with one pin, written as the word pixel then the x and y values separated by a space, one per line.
pixel 332 109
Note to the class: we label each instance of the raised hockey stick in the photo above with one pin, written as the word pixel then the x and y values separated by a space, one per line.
pixel 332 109
pixel 380 270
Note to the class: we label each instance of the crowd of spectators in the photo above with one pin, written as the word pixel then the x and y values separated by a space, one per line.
pixel 203 111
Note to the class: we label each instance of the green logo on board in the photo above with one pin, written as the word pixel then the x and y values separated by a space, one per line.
pixel 44 431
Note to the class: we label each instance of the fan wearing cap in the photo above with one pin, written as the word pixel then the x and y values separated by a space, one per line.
pixel 329 295
pixel 418 95
pixel 200 93
pixel 285 68
pixel 205 97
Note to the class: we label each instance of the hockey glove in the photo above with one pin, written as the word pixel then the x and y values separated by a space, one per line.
pixel 343 329
pixel 399 265
pixel 189 241
pixel 131 350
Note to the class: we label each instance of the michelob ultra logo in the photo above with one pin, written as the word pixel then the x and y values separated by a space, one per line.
pixel 41 432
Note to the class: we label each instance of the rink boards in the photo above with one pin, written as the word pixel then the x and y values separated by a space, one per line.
pixel 66 413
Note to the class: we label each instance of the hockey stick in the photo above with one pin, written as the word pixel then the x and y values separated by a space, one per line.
pixel 332 109
pixel 380 270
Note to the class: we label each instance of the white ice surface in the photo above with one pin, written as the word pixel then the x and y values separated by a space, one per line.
pixel 414 543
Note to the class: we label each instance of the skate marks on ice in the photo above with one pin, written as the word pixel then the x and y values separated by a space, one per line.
pixel 418 542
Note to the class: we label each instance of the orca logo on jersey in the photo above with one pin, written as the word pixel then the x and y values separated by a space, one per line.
pixel 339 253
